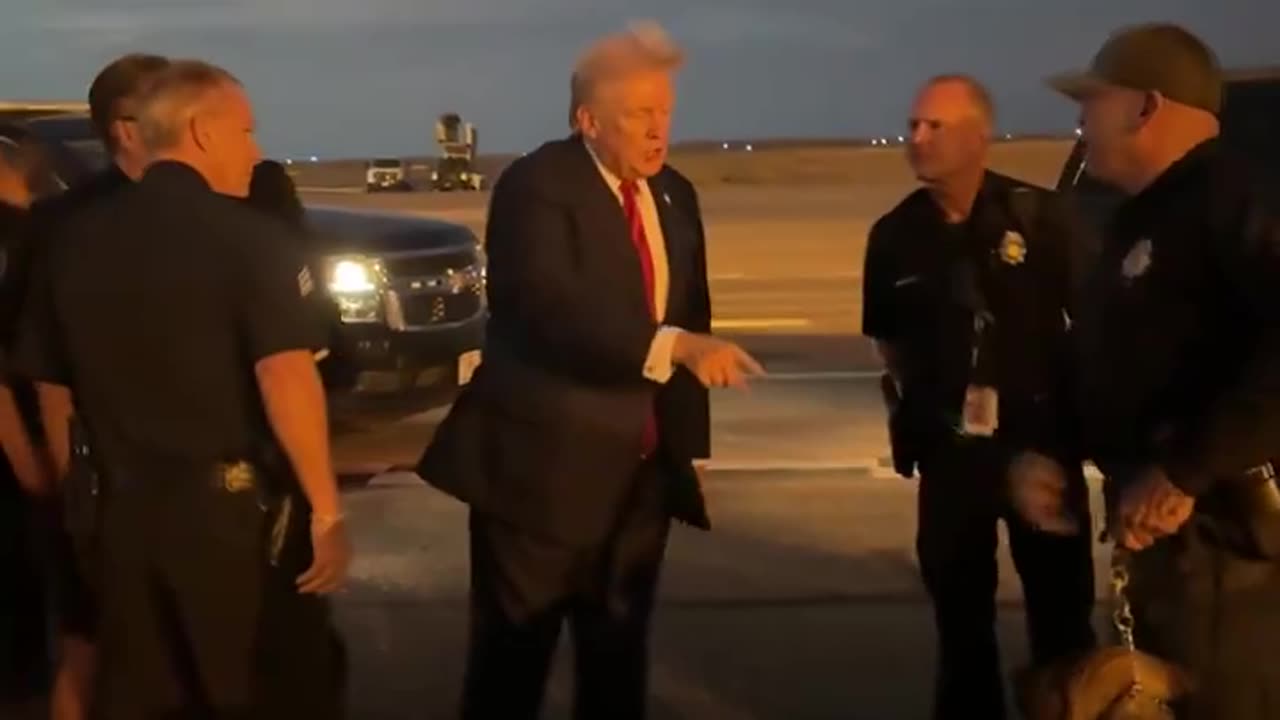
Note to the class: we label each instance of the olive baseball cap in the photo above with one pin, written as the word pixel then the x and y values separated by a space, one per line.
pixel 1160 57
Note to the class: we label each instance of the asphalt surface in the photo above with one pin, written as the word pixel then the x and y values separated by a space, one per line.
pixel 804 602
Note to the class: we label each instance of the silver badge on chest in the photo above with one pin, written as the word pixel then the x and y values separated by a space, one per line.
pixel 1138 261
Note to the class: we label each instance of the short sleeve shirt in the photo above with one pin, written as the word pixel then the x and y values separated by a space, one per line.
pixel 154 307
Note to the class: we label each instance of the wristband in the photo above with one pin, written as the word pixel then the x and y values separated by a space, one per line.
pixel 321 524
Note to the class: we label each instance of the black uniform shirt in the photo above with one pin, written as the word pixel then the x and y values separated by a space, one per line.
pixel 1183 366
pixel 153 309
pixel 924 280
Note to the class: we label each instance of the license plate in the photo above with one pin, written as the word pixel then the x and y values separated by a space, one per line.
pixel 467 364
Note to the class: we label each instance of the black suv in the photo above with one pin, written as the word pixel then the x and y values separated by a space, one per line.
pixel 1250 127
pixel 410 291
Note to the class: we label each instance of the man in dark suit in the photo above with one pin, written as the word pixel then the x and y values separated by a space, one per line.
pixel 575 442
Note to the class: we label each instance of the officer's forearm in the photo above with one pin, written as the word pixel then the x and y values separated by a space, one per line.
pixel 294 400
pixel 18 448
pixel 56 409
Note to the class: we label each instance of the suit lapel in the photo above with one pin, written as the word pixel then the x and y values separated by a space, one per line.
pixel 604 219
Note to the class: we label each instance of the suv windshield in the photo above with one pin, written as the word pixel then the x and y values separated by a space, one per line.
pixel 1250 118
pixel 72 137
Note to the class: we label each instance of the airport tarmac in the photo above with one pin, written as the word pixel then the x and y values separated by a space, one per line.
pixel 804 602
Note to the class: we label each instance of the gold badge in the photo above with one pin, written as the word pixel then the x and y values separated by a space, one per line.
pixel 238 477
pixel 1013 248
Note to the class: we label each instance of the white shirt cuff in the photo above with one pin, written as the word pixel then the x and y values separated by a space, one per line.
pixel 658 366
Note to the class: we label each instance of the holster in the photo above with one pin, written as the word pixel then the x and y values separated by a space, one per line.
pixel 904 437
pixel 81 488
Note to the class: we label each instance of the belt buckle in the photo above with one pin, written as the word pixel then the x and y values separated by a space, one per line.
pixel 237 477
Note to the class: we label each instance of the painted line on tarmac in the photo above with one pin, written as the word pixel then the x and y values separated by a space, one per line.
pixel 334 190
pixel 775 277
pixel 821 376
pixel 792 465
pixel 759 323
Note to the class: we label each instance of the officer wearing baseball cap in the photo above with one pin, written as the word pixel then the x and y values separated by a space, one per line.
pixel 1181 367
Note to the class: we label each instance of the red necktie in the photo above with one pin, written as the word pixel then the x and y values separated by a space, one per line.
pixel 635 221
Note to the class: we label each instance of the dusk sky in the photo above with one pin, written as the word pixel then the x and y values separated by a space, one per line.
pixel 365 77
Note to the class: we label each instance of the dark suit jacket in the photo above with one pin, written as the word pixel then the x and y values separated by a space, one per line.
pixel 548 434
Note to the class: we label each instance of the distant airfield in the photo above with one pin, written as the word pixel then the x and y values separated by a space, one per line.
pixel 780 161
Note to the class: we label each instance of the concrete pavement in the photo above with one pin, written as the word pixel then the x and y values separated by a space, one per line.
pixel 804 602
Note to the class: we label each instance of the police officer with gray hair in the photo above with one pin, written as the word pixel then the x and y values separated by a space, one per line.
pixel 174 318
pixel 1182 370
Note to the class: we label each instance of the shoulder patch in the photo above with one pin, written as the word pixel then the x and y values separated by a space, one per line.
pixel 305 283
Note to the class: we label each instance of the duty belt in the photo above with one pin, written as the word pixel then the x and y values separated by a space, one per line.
pixel 1261 473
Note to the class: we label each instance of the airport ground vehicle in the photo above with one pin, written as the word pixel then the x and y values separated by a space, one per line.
pixel 456 167
pixel 1250 118
pixel 382 174
pixel 410 291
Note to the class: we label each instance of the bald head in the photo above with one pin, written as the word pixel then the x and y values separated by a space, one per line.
pixel 622 95
pixel 951 125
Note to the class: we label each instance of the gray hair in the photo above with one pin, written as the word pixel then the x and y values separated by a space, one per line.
pixel 978 92
pixel 173 96
pixel 643 46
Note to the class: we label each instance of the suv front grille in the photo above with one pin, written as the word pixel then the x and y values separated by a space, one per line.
pixel 420 266
pixel 431 309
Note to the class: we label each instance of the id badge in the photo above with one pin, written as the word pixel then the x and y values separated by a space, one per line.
pixel 981 411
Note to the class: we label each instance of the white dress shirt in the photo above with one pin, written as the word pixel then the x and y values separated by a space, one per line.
pixel 658 365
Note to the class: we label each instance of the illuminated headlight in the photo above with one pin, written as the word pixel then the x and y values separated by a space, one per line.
pixel 463 176
pixel 355 284
pixel 353 275
pixel 435 175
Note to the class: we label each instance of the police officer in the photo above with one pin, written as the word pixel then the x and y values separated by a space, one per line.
pixel 967 285
pixel 24 482
pixel 1183 368
pixel 112 95
pixel 171 316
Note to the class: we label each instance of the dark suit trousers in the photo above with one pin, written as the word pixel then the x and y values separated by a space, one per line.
pixel 961 500
pixel 524 587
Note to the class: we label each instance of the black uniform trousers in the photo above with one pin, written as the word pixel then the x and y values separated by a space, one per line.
pixel 1216 614
pixel 195 620
pixel 183 577
pixel 523 588
pixel 962 496
pixel 25 658
pixel 302 660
